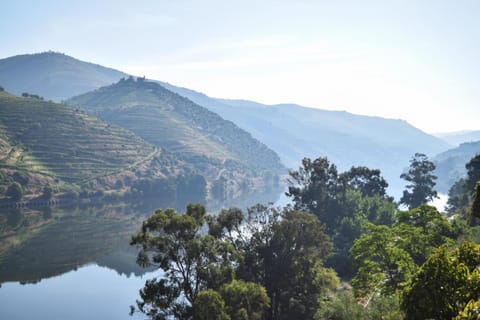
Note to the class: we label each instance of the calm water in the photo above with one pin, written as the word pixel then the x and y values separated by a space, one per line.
pixel 75 263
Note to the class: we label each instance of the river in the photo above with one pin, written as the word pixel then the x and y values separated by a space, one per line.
pixel 76 262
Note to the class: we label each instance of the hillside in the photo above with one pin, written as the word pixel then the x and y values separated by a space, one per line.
pixel 451 164
pixel 54 76
pixel 347 139
pixel 44 143
pixel 191 132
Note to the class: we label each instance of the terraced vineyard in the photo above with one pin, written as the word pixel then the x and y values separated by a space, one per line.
pixel 177 124
pixel 57 142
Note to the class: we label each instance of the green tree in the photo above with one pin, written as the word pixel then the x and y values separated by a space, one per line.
pixel 191 262
pixel 422 181
pixel 209 305
pixel 475 207
pixel 457 198
pixel 15 191
pixel 368 181
pixel 385 258
pixel 444 284
pixel 283 251
pixel 382 265
pixel 473 173
pixel 47 192
pixel 317 188
pixel 245 300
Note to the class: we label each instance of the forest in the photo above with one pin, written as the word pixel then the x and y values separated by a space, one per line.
pixel 343 249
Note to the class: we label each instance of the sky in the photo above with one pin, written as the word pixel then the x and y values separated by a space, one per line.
pixel 412 60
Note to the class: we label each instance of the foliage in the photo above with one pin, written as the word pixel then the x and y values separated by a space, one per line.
pixel 209 305
pixel 245 300
pixel 461 193
pixel 475 207
pixel 344 306
pixel 343 202
pixel 382 265
pixel 47 192
pixel 15 191
pixel 445 283
pixel 284 253
pixel 191 262
pixel 385 258
pixel 276 255
pixel 317 188
pixel 471 311
pixel 457 198
pixel 422 181
pixel 473 173
pixel 368 181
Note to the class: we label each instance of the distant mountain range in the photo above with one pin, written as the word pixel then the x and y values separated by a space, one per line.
pixel 459 137
pixel 292 131
pixel 451 164
pixel 347 139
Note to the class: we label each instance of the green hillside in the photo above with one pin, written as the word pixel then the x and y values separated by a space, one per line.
pixel 44 143
pixel 182 127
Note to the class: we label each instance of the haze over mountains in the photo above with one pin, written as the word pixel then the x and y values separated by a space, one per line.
pixel 292 131
pixel 451 164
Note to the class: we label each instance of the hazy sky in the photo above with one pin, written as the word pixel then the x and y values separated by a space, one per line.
pixel 415 60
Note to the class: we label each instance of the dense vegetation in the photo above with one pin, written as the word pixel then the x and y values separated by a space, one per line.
pixel 413 264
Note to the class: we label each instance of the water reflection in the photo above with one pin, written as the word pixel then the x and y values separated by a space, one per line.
pixel 36 244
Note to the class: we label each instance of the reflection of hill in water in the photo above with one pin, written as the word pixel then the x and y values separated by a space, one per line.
pixel 35 245
pixel 69 240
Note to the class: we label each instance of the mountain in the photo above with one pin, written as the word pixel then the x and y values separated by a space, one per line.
pixel 48 144
pixel 294 132
pixel 451 164
pixel 347 139
pixel 54 76
pixel 459 137
pixel 200 137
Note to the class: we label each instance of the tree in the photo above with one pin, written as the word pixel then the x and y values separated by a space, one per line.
pixel 343 202
pixel 283 251
pixel 245 300
pixel 422 181
pixel 47 192
pixel 473 173
pixel 368 181
pixel 191 262
pixel 444 284
pixel 209 305
pixel 317 188
pixel 385 258
pixel 15 191
pixel 382 265
pixel 275 255
pixel 475 207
